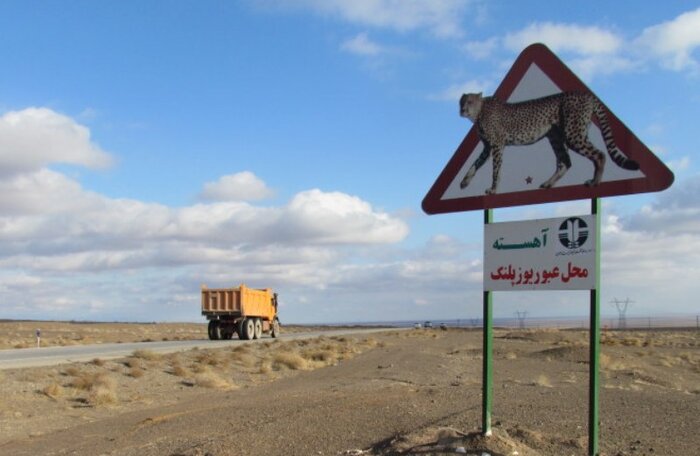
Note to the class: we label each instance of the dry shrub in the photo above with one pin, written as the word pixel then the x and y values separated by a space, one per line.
pixel 54 390
pixel 370 342
pixel 289 360
pixel 244 359
pixel 72 371
pixel 511 356
pixel 543 381
pixel 136 372
pixel 608 363
pixel 101 387
pixel 324 355
pixel 199 368
pixel 98 362
pixel 180 371
pixel 245 348
pixel 211 380
pixel 89 381
pixel 102 395
pixel 210 358
pixel 133 363
pixel 147 355
pixel 265 367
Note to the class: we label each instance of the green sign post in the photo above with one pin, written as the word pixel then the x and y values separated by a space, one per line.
pixel 594 342
pixel 487 356
pixel 594 339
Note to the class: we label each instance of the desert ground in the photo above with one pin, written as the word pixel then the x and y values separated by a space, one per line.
pixel 412 392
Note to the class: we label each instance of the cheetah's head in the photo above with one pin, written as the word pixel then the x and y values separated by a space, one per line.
pixel 470 105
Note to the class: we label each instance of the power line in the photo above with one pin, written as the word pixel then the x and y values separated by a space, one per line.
pixel 622 311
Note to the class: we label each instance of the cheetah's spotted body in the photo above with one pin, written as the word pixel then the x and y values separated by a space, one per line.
pixel 563 118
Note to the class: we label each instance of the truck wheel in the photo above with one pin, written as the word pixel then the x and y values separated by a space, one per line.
pixel 258 328
pixel 248 328
pixel 213 330
pixel 275 331
pixel 240 328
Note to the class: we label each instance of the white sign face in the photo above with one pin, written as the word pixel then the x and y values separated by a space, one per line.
pixel 545 254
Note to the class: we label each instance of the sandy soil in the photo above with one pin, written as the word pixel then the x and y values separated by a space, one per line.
pixel 411 392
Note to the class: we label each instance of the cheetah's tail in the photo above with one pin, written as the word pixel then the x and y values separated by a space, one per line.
pixel 615 154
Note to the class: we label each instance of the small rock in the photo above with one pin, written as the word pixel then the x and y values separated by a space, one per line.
pixel 461 450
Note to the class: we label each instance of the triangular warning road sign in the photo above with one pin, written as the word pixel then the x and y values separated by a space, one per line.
pixel 536 73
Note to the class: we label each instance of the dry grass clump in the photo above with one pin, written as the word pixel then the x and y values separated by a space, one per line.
pixel 627 340
pixel 98 362
pixel 610 364
pixel 102 395
pixel 72 371
pixel 133 363
pixel 265 367
pixel 326 356
pixel 289 360
pixel 243 358
pixel 100 386
pixel 210 379
pixel 179 371
pixel 543 381
pixel 147 355
pixel 53 390
pixel 88 381
pixel 198 368
pixel 136 372
pixel 210 358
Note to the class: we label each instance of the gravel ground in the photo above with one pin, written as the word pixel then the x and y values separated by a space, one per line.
pixel 413 392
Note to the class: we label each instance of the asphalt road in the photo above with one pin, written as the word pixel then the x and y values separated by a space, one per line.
pixel 50 356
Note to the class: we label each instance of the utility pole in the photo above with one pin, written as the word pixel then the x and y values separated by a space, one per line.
pixel 622 311
pixel 522 315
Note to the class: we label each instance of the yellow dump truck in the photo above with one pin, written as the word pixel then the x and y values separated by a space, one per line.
pixel 248 312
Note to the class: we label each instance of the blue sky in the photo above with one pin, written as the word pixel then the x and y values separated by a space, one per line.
pixel 149 147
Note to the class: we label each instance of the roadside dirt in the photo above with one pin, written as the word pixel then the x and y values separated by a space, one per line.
pixel 411 392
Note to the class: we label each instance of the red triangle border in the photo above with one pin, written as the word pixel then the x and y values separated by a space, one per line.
pixel 657 176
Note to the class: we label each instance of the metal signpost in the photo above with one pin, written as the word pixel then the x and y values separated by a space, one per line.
pixel 547 254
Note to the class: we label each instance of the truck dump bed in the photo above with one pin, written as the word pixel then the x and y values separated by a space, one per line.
pixel 241 301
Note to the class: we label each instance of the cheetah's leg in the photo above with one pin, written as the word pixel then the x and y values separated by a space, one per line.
pixel 556 140
pixel 480 160
pixel 588 150
pixel 497 153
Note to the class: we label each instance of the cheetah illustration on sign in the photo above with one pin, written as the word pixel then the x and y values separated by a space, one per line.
pixel 563 118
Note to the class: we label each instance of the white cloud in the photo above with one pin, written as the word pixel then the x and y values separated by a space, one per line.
pixel 674 41
pixel 49 222
pixel 336 217
pixel 362 45
pixel 243 186
pixel 588 67
pixel 680 164
pixel 675 211
pixel 583 40
pixel 482 49
pixel 35 137
pixel 441 17
pixel 455 91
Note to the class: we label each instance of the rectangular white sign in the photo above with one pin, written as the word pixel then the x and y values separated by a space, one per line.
pixel 545 254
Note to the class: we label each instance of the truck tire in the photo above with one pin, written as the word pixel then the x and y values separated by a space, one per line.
pixel 248 329
pixel 258 328
pixel 227 332
pixel 275 331
pixel 213 330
